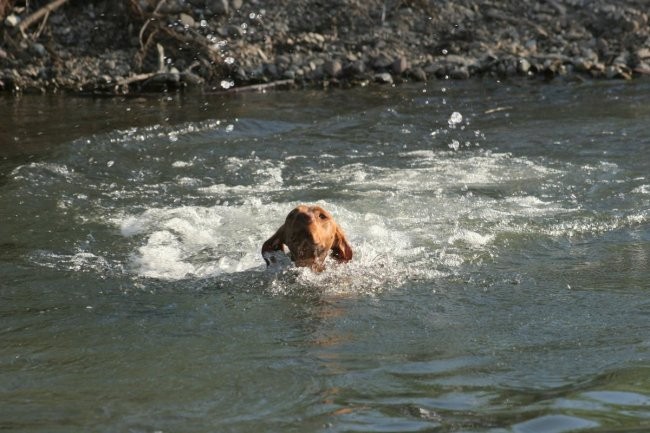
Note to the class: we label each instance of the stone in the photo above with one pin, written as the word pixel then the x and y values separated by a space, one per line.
pixel 186 20
pixel 333 68
pixel 38 49
pixel 12 20
pixel 643 53
pixel 236 4
pixel 283 62
pixel 418 74
pixel 459 73
pixel 400 65
pixel 170 7
pixel 382 62
pixel 271 70
pixel 523 66
pixel 582 64
pixel 217 7
pixel 191 78
pixel 354 69
pixel 383 78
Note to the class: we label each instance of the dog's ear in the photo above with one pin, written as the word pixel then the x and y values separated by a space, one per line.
pixel 341 249
pixel 274 243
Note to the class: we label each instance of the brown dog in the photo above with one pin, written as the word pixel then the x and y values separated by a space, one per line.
pixel 309 232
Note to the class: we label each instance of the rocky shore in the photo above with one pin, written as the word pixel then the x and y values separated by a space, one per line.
pixel 127 46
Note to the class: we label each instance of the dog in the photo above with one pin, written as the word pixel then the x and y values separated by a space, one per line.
pixel 310 233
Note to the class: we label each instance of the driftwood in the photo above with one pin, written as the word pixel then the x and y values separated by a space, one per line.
pixel 262 87
pixel 42 12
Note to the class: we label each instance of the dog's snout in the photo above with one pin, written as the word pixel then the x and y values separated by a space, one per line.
pixel 305 217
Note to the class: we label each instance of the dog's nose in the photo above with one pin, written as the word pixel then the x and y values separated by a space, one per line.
pixel 306 217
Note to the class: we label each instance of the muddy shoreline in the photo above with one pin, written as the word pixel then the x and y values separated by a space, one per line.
pixel 131 46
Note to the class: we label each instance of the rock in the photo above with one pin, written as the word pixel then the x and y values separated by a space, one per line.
pixel 437 69
pixel 400 65
pixel 12 20
pixel 186 20
pixel 618 71
pixel 355 69
pixel 38 49
pixel 236 4
pixel 459 73
pixel 643 53
pixel 333 68
pixel 169 7
pixel 642 68
pixel 523 66
pixel 418 74
pixel 271 70
pixel 217 7
pixel 582 64
pixel 191 78
pixel 283 62
pixel 382 62
pixel 383 78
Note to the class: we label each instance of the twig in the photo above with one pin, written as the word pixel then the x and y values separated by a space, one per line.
pixel 44 11
pixel 135 78
pixel 262 87
pixel 41 27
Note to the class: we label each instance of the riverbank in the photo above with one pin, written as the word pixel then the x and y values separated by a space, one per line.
pixel 127 46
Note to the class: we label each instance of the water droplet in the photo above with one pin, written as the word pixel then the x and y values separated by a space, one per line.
pixel 455 119
pixel 227 84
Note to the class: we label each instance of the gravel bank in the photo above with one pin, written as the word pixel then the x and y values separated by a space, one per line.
pixel 126 46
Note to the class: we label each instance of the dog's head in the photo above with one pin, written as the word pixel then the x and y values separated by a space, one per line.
pixel 310 233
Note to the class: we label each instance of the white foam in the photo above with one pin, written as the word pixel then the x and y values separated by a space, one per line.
pixel 471 238
pixel 192 241
pixel 424 220
pixel 641 189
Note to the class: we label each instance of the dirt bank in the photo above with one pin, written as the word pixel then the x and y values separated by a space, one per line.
pixel 122 46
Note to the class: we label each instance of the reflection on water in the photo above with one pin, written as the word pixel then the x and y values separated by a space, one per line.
pixel 499 280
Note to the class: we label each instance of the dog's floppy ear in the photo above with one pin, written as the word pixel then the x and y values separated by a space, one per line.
pixel 341 249
pixel 274 243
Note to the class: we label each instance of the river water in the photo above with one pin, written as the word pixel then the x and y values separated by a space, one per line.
pixel 500 281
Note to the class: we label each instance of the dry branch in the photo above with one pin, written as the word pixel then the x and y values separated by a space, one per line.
pixel 42 12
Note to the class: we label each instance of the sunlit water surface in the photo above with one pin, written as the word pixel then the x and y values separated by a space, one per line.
pixel 500 281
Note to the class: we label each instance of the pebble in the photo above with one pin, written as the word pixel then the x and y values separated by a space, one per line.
pixel 355 68
pixel 523 66
pixel 316 41
pixel 418 74
pixel 400 65
pixel 38 49
pixel 186 20
pixel 218 7
pixel 383 78
pixel 12 20
pixel 333 68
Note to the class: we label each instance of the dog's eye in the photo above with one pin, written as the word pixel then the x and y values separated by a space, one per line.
pixel 322 216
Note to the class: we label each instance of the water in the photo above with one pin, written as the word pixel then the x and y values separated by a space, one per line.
pixel 500 280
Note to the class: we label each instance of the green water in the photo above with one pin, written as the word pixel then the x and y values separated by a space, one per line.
pixel 500 280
